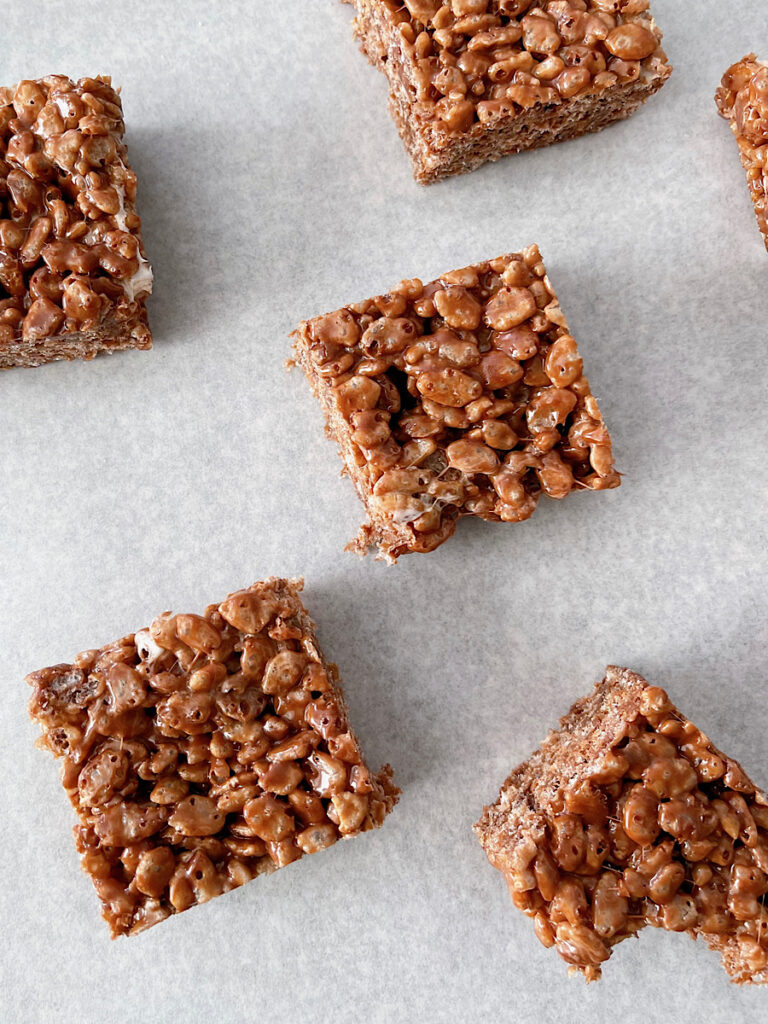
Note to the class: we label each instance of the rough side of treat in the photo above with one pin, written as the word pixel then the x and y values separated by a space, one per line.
pixel 629 816
pixel 742 99
pixel 464 396
pixel 204 751
pixel 474 80
pixel 74 277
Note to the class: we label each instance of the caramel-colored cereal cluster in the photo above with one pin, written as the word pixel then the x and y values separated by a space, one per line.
pixel 204 751
pixel 743 100
pixel 662 829
pixel 71 257
pixel 480 60
pixel 464 396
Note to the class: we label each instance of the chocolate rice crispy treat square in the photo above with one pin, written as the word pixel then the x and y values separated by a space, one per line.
pixel 73 274
pixel 742 99
pixel 474 80
pixel 204 751
pixel 464 396
pixel 629 816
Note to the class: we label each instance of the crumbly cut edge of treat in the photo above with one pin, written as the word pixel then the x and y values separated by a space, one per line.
pixel 751 165
pixel 109 336
pixel 533 129
pixel 486 143
pixel 384 776
pixel 291 589
pixel 391 539
pixel 593 725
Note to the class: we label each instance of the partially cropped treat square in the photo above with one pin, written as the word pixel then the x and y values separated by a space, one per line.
pixel 629 816
pixel 464 396
pixel 743 100
pixel 73 274
pixel 475 80
pixel 204 751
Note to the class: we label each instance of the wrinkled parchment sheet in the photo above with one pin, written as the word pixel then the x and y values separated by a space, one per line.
pixel 272 187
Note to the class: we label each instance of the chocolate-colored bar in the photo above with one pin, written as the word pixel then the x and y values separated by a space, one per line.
pixel 475 80
pixel 742 99
pixel 464 396
pixel 629 816
pixel 73 274
pixel 204 751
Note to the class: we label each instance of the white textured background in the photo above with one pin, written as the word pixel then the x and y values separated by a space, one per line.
pixel 273 187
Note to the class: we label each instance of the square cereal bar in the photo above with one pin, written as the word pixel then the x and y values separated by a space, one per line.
pixel 73 275
pixel 743 100
pixel 474 80
pixel 204 751
pixel 464 396
pixel 628 816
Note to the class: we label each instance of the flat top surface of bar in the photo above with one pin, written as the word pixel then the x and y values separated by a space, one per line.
pixel 71 255
pixel 204 751
pixel 471 61
pixel 464 396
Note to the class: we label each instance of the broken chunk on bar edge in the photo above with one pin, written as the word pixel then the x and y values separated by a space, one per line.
pixel 73 274
pixel 474 80
pixel 465 396
pixel 204 751
pixel 742 99
pixel 628 816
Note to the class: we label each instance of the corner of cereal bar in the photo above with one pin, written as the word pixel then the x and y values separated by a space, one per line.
pixel 475 80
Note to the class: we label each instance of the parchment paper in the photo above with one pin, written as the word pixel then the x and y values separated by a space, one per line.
pixel 273 187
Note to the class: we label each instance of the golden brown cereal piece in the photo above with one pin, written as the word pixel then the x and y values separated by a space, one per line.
pixel 74 278
pixel 475 80
pixel 628 816
pixel 464 396
pixel 204 751
pixel 742 99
